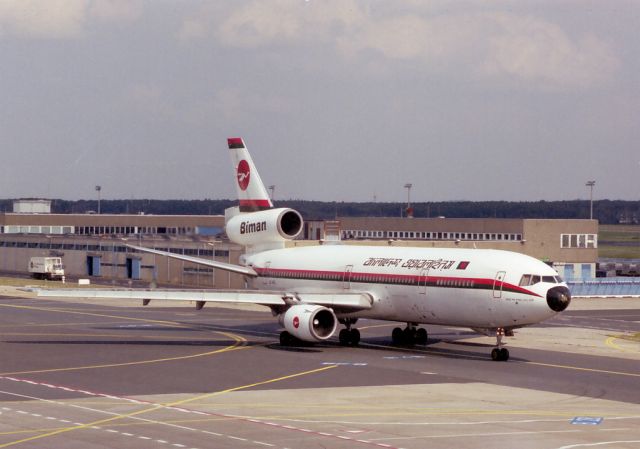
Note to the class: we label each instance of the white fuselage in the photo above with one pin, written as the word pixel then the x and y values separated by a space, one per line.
pixel 459 287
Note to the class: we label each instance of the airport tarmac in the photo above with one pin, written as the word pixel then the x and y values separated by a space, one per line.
pixel 113 374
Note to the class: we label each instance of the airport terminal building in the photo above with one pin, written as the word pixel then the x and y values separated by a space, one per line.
pixel 571 246
pixel 95 246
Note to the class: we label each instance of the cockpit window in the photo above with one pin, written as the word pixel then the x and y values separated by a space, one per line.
pixel 535 279
pixel 532 279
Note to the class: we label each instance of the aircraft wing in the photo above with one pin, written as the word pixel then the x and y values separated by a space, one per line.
pixel 247 271
pixel 341 302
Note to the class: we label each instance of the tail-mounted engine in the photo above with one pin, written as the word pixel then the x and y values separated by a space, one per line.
pixel 311 323
pixel 267 226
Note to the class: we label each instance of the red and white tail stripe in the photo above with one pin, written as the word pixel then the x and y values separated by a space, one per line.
pixel 252 193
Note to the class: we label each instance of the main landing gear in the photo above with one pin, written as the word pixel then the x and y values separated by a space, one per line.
pixel 349 336
pixel 499 354
pixel 409 336
pixel 286 339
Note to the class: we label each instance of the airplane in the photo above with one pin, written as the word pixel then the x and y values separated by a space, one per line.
pixel 311 289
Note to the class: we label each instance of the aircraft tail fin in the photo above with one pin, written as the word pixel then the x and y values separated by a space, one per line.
pixel 252 193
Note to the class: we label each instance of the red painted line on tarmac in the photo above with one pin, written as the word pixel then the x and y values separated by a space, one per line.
pixel 198 412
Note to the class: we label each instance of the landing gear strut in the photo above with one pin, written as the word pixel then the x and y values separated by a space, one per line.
pixel 499 354
pixel 409 336
pixel 349 336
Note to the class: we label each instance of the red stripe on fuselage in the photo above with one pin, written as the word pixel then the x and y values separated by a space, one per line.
pixel 400 279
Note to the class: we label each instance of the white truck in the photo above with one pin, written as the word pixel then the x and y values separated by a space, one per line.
pixel 46 268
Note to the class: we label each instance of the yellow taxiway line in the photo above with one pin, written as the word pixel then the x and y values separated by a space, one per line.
pixel 161 406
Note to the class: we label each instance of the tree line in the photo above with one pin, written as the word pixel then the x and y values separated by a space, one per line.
pixel 605 211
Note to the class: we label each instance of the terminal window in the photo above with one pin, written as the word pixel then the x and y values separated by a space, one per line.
pixel 578 241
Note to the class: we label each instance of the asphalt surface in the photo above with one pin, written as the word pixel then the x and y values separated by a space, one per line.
pixel 112 375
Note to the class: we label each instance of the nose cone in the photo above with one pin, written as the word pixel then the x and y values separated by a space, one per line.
pixel 558 298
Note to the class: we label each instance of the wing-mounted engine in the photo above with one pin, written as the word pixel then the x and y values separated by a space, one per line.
pixel 311 323
pixel 264 227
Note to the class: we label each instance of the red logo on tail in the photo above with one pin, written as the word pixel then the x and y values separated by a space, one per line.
pixel 243 173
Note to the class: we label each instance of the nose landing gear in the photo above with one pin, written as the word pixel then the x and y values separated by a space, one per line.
pixel 499 354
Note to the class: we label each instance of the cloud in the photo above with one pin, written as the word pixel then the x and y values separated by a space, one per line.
pixel 260 23
pixel 494 45
pixel 530 49
pixel 116 10
pixel 42 18
pixel 61 19
pixel 501 46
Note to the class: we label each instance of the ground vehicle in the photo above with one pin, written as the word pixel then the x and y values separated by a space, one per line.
pixel 46 268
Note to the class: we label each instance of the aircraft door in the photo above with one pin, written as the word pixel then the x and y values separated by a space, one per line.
pixel 497 284
pixel 346 278
pixel 266 280
pixel 422 281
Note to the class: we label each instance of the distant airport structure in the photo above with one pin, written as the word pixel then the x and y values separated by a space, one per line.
pixel 94 245
pixel 32 206
pixel 571 246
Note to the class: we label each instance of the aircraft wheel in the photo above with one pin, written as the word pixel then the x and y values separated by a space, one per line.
pixel 349 337
pixel 344 337
pixel 285 338
pixel 409 335
pixel 500 354
pixel 397 336
pixel 421 336
pixel 354 337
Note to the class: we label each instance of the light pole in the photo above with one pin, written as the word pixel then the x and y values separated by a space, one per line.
pixel 590 184
pixel 98 189
pixel 272 188
pixel 409 211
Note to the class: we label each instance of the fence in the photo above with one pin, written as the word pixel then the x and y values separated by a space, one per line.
pixel 613 287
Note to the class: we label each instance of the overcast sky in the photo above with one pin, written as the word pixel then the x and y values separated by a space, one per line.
pixel 337 100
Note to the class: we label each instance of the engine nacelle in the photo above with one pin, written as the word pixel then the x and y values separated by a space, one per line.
pixel 267 226
pixel 309 322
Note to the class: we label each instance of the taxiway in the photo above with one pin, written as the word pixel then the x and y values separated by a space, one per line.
pixel 110 374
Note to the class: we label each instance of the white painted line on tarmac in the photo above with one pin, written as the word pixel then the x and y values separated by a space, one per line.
pixel 345 363
pixel 602 443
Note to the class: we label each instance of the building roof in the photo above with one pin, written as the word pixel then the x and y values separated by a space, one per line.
pixel 7 219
